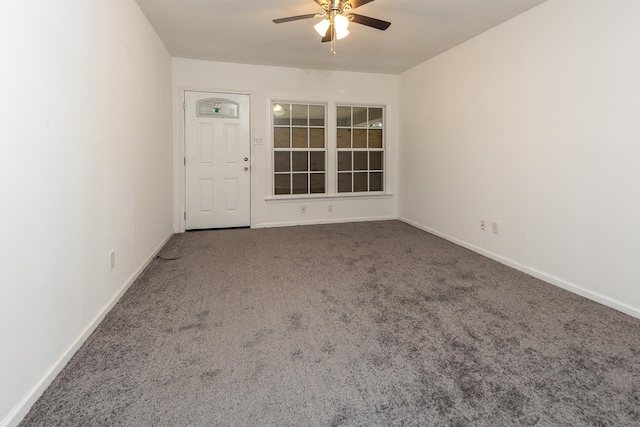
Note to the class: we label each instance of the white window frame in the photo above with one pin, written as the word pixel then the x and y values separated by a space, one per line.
pixel 366 149
pixel 331 152
pixel 291 149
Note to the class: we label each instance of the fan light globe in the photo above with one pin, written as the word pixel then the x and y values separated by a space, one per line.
pixel 341 33
pixel 341 22
pixel 322 27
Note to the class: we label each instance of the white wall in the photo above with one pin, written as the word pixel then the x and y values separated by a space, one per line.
pixel 86 167
pixel 264 83
pixel 534 124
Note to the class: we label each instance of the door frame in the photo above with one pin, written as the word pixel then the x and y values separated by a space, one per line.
pixel 180 169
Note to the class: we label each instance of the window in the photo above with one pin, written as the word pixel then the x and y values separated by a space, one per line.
pixel 360 148
pixel 217 107
pixel 299 149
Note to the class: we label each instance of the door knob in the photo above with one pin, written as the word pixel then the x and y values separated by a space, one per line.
pixel 246 159
pixel 246 168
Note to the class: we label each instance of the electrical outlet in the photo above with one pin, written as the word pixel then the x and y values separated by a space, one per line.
pixel 112 259
pixel 483 225
pixel 330 208
pixel 494 227
pixel 303 209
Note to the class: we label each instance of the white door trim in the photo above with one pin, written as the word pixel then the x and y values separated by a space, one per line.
pixel 180 171
pixel 218 149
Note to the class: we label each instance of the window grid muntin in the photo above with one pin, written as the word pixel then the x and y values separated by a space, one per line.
pixel 308 149
pixel 352 125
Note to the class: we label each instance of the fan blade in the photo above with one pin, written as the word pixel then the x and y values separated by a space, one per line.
pixel 327 37
pixel 370 22
pixel 294 18
pixel 357 3
pixel 322 2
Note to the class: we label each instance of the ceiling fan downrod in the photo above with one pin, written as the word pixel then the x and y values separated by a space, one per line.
pixel 337 8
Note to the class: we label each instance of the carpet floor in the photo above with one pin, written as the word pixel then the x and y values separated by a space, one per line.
pixel 349 324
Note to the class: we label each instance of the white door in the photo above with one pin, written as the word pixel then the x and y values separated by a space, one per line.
pixel 218 145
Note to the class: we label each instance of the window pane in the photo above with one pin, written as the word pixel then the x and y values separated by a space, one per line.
pixel 316 138
pixel 283 184
pixel 317 183
pixel 300 161
pixel 344 116
pixel 375 117
pixel 344 160
pixel 300 184
pixel 360 161
pixel 344 138
pixel 316 115
pixel 359 138
pixel 282 161
pixel 299 147
pixel 360 149
pixel 317 161
pixel 360 181
pixel 344 183
pixel 375 181
pixel 217 107
pixel 299 137
pixel 281 137
pixel 300 115
pixel 375 161
pixel 359 116
pixel 281 114
pixel 375 138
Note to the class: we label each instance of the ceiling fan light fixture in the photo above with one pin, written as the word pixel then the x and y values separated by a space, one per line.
pixel 335 19
pixel 341 22
pixel 322 27
pixel 341 33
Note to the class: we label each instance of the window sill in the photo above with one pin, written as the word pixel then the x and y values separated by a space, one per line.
pixel 325 197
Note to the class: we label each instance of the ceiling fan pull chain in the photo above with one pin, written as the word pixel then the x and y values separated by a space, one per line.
pixel 333 39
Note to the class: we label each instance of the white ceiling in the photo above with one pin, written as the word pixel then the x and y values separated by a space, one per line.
pixel 242 31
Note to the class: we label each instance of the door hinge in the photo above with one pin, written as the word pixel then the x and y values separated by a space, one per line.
pixel 185 215
pixel 184 106
pixel 185 161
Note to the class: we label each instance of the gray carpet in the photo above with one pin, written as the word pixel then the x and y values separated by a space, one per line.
pixel 351 324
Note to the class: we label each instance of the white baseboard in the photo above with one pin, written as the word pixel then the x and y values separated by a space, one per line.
pixel 571 287
pixel 22 408
pixel 322 221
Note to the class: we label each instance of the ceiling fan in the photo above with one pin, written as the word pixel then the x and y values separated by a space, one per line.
pixel 335 19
